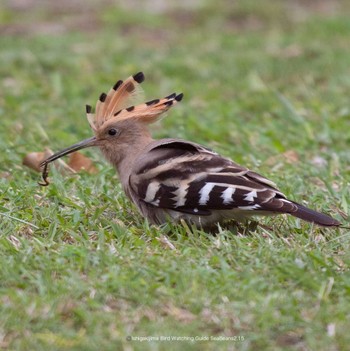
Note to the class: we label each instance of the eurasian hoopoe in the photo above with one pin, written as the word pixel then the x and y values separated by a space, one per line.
pixel 173 179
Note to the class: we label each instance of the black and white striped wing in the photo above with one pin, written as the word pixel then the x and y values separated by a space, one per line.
pixel 188 178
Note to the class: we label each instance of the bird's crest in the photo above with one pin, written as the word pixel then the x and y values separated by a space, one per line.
pixel 118 104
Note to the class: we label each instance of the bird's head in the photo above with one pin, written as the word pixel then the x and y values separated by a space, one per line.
pixel 118 125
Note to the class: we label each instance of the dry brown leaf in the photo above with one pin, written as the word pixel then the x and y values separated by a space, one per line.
pixel 33 160
pixel 5 175
pixel 180 314
pixel 78 162
pixel 289 156
pixel 291 51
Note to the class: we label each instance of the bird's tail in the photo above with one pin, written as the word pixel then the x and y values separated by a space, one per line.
pixel 316 217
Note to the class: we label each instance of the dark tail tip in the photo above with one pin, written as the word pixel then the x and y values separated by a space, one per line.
pixel 316 217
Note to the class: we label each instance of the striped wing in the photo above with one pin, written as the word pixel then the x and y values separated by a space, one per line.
pixel 186 177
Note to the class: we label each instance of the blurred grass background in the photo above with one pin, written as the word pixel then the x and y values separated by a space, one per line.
pixel 266 84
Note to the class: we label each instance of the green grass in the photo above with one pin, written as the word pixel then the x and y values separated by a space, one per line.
pixel 266 85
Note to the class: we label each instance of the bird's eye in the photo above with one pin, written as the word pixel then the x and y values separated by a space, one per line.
pixel 112 131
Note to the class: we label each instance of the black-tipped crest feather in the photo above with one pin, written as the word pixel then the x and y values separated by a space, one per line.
pixel 139 77
pixel 102 97
pixel 117 85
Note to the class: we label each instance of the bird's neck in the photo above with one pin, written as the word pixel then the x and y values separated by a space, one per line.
pixel 126 164
pixel 127 155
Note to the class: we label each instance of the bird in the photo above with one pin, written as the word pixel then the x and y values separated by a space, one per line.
pixel 174 180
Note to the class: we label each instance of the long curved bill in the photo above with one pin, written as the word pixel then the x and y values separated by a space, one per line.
pixel 78 146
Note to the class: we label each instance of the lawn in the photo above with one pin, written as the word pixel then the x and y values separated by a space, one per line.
pixel 266 84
